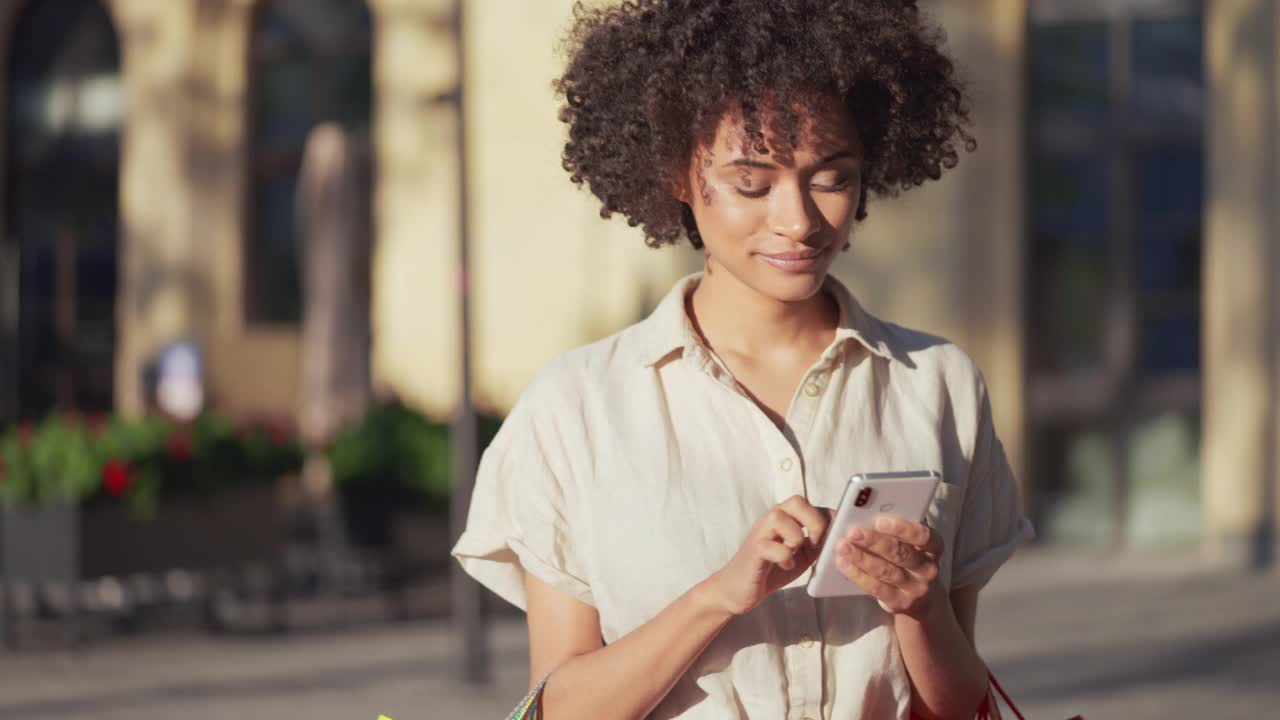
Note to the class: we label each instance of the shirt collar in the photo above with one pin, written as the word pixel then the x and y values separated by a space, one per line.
pixel 668 329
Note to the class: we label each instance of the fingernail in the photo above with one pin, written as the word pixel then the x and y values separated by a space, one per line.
pixel 884 524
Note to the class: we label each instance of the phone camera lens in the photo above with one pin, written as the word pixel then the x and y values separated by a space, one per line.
pixel 864 496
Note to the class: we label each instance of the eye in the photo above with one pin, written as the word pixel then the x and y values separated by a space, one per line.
pixel 831 182
pixel 756 193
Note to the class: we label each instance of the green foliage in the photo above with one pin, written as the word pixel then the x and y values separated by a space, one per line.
pixel 399 452
pixel 139 461
pixel 394 454
pixel 51 463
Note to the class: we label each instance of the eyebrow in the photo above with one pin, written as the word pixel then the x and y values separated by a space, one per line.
pixel 748 162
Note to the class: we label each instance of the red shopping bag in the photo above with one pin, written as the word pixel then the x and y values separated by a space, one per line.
pixel 990 707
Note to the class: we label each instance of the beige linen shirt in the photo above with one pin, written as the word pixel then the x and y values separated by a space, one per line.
pixel 632 469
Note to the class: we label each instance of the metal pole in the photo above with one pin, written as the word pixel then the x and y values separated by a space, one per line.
pixel 468 611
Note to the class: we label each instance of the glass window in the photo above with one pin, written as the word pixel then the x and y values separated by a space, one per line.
pixel 312 64
pixel 1069 72
pixel 1167 225
pixel 1116 173
pixel 1170 340
pixel 1069 264
pixel 1168 75
pixel 1164 471
pixel 64 113
pixel 1076 481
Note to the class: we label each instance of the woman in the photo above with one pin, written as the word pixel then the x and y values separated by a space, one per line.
pixel 655 500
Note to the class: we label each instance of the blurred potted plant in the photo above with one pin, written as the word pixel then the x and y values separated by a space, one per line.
pixel 44 472
pixel 395 461
pixel 146 493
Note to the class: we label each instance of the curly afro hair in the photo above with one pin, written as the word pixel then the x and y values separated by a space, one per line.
pixel 648 82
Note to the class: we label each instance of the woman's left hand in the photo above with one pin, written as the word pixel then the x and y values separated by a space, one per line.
pixel 897 564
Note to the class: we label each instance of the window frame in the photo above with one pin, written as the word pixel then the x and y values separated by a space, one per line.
pixel 1115 396
pixel 254 312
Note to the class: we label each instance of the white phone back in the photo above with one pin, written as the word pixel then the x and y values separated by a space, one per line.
pixel 904 494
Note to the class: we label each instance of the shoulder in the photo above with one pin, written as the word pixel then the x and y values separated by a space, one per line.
pixel 571 378
pixel 934 360
pixel 944 381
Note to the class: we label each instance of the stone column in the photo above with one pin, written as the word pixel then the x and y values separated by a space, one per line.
pixel 414 280
pixel 158 280
pixel 1240 282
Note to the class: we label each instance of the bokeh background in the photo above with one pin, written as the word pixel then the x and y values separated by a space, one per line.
pixel 271 270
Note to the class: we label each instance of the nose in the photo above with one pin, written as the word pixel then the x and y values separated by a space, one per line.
pixel 791 214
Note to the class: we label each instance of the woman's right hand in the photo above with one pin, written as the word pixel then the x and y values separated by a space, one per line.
pixel 775 553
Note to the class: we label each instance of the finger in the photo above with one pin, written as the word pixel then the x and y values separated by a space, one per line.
pixel 777 553
pixel 815 520
pixel 889 548
pixel 807 555
pixel 935 545
pixel 874 586
pixel 912 533
pixel 785 527
pixel 876 566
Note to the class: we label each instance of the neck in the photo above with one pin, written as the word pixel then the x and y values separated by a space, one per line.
pixel 735 318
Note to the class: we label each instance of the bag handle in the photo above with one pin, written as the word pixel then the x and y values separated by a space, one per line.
pixel 528 707
pixel 989 706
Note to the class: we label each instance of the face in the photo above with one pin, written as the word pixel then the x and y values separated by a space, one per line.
pixel 774 222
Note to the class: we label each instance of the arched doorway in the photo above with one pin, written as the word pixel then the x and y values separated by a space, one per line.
pixel 66 102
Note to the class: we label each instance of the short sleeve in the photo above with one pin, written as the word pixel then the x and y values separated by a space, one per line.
pixel 517 521
pixel 991 524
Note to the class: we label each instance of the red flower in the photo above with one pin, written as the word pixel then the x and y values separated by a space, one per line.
pixel 178 444
pixel 116 477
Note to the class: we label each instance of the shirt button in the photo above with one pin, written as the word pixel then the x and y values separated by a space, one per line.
pixel 806 643
pixel 785 464
pixel 812 389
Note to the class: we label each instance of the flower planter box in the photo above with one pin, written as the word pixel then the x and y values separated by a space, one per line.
pixel 232 527
pixel 61 545
pixel 70 542
pixel 40 544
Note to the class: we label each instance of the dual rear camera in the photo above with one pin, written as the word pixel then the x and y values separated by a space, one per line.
pixel 864 496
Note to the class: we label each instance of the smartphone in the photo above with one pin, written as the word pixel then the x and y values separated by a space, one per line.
pixel 902 494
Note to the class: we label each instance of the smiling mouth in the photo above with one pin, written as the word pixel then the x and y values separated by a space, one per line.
pixel 803 261
pixel 795 256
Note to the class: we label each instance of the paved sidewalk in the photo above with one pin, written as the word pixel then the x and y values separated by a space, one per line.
pixel 1129 637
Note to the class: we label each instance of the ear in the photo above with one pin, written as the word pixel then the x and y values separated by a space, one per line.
pixel 679 189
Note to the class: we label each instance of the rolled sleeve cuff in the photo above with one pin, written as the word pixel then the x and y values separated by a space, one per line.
pixel 500 566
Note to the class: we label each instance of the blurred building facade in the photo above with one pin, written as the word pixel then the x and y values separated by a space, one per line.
pixel 1110 255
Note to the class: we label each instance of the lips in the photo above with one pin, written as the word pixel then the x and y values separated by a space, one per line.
pixel 806 254
pixel 797 261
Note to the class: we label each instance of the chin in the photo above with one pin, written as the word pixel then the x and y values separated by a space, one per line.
pixel 789 286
